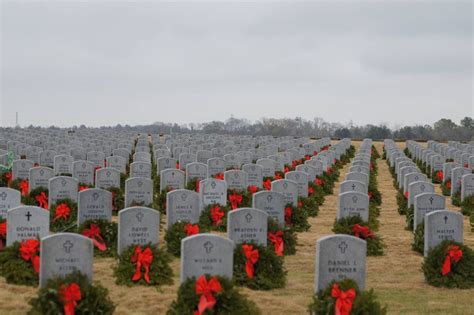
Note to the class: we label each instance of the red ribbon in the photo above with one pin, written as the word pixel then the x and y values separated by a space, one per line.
pixel 252 256
pixel 8 177
pixel 453 256
pixel 42 200
pixel 307 157
pixel 329 171
pixel 252 189
pixel 370 195
pixel 206 290
pixel 93 232
pixel 288 213
pixel 448 184
pixel 439 175
pixel 24 186
pixel 216 215
pixel 191 229
pixel 344 299
pixel 406 195
pixel 142 258
pixel 177 165
pixel 286 170
pixel 198 182
pixel 69 295
pixel 219 176
pixel 277 241
pixel 318 182
pixel 310 190
pixel 235 200
pixel 3 234
pixel 29 251
pixel 278 175
pixel 81 188
pixel 361 231
pixel 267 184
pixel 62 212
pixel 294 164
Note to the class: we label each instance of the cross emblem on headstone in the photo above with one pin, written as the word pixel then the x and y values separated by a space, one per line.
pixel 269 198
pixel 248 217
pixel 354 199
pixel 343 246
pixel 63 182
pixel 139 216
pixel 422 187
pixel 183 197
pixel 3 195
pixel 28 215
pixel 431 200
pixel 285 185
pixel 41 172
pixel 95 196
pixel 208 246
pixel 353 186
pixel 445 219
pixel 213 185
pixel 140 184
pixel 68 245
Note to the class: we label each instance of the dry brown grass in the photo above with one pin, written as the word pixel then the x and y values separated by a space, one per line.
pixel 396 276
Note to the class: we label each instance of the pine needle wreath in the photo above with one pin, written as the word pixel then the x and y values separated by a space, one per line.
pixel 309 205
pixel 456 199
pixel 462 272
pixel 31 199
pixel 318 193
pixel 374 193
pixel 5 179
pixel 418 244
pixel 3 233
pixel 296 218
pixel 107 236
pixel 365 302
pixel 328 183
pixel 375 245
pixel 246 198
pixel 160 200
pixel 175 234
pixel 65 222
pixel 375 153
pixel 15 269
pixel 192 185
pixel 402 203
pixel 94 298
pixel 269 272
pixel 410 218
pixel 160 272
pixel 435 178
pixel 290 239
pixel 446 188
pixel 228 302
pixel 208 224
pixel 467 205
pixel 118 199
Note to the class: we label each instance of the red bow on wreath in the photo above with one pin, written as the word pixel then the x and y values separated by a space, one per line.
pixel 286 170
pixel 206 290
pixel 62 212
pixel 361 231
pixel 406 195
pixel 8 177
pixel 370 195
pixel 344 299
pixel 93 232
pixel 307 157
pixel 252 189
pixel 439 175
pixel 310 190
pixel 329 171
pixel 197 184
pixel 267 184
pixel 235 200
pixel 294 164
pixel 277 241
pixel 142 259
pixel 252 256
pixel 69 295
pixel 288 213
pixel 318 182
pixel 24 186
pixel 29 251
pixel 453 256
pixel 3 234
pixel 42 200
pixel 278 175
pixel 81 188
pixel 216 215
pixel 191 229
pixel 448 184
pixel 219 176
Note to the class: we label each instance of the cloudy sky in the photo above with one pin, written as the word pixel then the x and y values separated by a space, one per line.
pixel 107 62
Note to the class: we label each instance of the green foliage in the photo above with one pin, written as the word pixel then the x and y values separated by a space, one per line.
pixel 456 199
pixel 290 239
pixel 229 300
pixel 61 224
pixel 402 203
pixel 410 214
pixel 462 272
pixel 375 245
pixel 205 220
pixel 118 200
pixel 108 231
pixel 365 302
pixel 174 235
pixel 298 220
pixel 94 298
pixel 269 272
pixel 309 205
pixel 446 188
pixel 30 200
pixel 14 269
pixel 418 244
pixel 467 205
pixel 160 270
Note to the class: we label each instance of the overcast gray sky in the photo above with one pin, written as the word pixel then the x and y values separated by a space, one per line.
pixel 107 62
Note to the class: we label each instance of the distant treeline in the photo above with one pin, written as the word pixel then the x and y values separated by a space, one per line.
pixel 443 129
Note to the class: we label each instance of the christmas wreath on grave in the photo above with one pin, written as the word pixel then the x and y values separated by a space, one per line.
pixel 451 265
pixel 193 185
pixel 282 239
pixel 410 217
pixel 22 186
pixel 19 263
pixel 118 199
pixel 327 183
pixel 211 295
pixel 345 297
pixel 6 179
pixel 456 199
pixel 3 233
pixel 214 218
pixel 63 215
pixel 258 267
pixel 72 294
pixel 238 199
pixel 418 244
pixel 144 265
pixel 219 175
pixel 103 234
pixel 316 192
pixel 309 205
pixel 161 200
pixel 467 205
pixel 357 227
pixel 82 186
pixel 437 177
pixel 38 197
pixel 374 194
pixel 267 183
pixel 402 202
pixel 446 188
pixel 296 218
pixel 177 232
